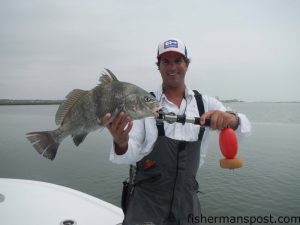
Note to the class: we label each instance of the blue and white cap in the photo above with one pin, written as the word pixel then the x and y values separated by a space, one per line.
pixel 172 45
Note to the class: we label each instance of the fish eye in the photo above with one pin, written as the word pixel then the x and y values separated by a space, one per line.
pixel 147 99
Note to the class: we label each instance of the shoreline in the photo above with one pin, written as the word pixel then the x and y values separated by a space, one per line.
pixel 58 102
pixel 29 102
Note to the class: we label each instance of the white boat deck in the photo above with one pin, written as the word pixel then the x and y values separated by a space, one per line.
pixel 38 203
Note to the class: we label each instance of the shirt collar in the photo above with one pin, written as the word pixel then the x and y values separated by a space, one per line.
pixel 189 94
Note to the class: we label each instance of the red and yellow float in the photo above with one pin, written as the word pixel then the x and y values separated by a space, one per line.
pixel 229 147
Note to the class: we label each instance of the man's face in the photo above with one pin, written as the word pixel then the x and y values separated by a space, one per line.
pixel 172 68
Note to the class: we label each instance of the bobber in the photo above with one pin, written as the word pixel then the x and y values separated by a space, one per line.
pixel 229 147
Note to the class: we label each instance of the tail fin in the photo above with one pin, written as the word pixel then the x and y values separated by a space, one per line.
pixel 44 142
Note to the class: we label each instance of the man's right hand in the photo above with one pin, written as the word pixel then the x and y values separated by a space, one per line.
pixel 119 129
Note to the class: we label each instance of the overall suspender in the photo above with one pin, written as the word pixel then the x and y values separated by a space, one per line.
pixel 201 110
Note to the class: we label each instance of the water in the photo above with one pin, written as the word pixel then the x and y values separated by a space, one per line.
pixel 269 182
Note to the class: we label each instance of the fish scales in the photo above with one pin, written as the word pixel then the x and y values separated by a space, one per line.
pixel 115 94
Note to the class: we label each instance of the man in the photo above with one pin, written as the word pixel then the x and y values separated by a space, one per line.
pixel 167 156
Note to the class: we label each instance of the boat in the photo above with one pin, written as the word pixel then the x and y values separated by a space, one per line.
pixel 32 202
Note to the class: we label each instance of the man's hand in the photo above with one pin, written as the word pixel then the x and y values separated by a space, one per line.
pixel 220 120
pixel 119 129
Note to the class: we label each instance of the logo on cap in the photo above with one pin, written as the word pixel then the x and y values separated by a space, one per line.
pixel 171 44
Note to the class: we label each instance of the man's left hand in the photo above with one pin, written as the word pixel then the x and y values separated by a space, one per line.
pixel 219 120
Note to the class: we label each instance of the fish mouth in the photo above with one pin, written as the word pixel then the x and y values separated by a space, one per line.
pixel 156 112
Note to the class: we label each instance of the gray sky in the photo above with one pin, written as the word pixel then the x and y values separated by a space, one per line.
pixel 244 49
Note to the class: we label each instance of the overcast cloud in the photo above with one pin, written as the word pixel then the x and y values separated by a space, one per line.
pixel 244 49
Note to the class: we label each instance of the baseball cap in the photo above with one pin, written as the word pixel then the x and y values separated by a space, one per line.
pixel 172 45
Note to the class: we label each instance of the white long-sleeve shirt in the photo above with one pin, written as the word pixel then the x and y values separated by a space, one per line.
pixel 144 132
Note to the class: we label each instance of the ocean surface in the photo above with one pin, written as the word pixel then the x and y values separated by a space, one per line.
pixel 268 183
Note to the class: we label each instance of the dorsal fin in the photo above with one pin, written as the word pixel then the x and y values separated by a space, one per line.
pixel 107 77
pixel 66 105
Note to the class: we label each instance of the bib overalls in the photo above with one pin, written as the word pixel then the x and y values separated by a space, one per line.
pixel 165 186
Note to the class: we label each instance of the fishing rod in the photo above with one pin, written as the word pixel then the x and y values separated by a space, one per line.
pixel 227 138
pixel 173 118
